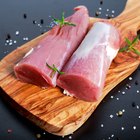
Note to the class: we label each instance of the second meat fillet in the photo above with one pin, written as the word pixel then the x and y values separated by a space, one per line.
pixel 86 70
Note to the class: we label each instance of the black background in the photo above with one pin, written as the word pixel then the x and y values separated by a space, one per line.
pixel 18 15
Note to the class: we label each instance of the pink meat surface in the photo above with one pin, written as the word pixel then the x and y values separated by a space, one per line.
pixel 86 70
pixel 56 48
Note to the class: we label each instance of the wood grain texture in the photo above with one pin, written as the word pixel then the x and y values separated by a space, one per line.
pixel 49 108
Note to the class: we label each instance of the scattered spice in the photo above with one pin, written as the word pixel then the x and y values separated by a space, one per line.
pixel 128 86
pixel 120 113
pixel 34 22
pixel 133 104
pixel 97 13
pixel 8 37
pixel 41 21
pixel 101 2
pixel 24 16
pixel 38 136
pixel 9 130
pixel 109 17
pixel 136 82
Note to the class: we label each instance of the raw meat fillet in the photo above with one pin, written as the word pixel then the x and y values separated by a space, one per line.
pixel 55 49
pixel 86 70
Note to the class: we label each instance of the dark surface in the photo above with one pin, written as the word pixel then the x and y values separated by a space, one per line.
pixel 18 15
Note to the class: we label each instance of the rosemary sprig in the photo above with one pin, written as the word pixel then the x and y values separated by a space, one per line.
pixel 62 21
pixel 54 68
pixel 131 46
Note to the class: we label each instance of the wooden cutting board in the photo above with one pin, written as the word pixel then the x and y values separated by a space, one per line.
pixel 49 108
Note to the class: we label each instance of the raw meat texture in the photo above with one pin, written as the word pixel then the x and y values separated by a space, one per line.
pixel 86 70
pixel 56 48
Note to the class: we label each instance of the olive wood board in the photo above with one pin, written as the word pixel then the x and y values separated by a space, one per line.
pixel 49 108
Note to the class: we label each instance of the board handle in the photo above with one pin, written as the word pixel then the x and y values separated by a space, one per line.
pixel 129 19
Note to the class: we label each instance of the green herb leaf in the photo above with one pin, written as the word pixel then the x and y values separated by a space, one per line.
pixel 127 41
pixel 62 21
pixel 123 49
pixel 69 23
pixel 131 46
pixel 136 51
pixel 54 68
pixel 135 40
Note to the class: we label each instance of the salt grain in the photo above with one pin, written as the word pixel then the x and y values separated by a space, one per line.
pixel 111 97
pixel 134 127
pixel 7 41
pixel 17 32
pixel 137 107
pixel 117 98
pixel 15 41
pixel 130 78
pixel 113 11
pixel 38 136
pixel 10 43
pixel 102 125
pixel 112 135
pixel 100 8
pixel 123 92
pixel 70 137
pixel 139 117
pixel 112 15
pixel 111 116
pixel 138 91
pixel 122 128
pixel 107 10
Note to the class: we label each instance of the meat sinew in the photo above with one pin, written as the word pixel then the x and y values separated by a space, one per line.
pixel 86 70
pixel 55 49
